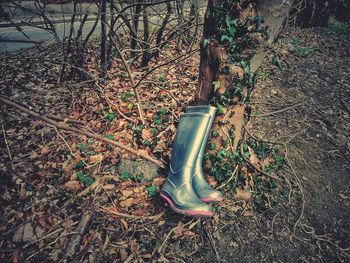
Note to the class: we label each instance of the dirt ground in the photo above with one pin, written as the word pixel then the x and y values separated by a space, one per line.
pixel 300 109
pixel 304 105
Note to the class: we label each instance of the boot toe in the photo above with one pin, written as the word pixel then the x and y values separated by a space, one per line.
pixel 211 195
pixel 193 208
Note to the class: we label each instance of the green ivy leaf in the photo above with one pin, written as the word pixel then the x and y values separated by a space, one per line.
pixel 127 96
pixel 125 176
pixel 110 116
pixel 231 25
pixel 225 38
pixel 85 179
pixel 205 42
pixel 138 178
pixel 79 165
pixel 276 62
pixel 151 191
pixel 221 109
pixel 110 136
pixel 215 134
pixel 217 85
pixel 279 160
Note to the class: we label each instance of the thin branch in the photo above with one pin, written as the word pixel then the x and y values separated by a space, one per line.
pixel 65 126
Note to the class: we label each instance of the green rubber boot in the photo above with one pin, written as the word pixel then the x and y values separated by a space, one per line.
pixel 178 189
pixel 203 190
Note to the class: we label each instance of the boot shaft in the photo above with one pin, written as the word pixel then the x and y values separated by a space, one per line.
pixel 190 134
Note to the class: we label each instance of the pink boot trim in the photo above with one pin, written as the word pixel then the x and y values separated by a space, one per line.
pixel 187 212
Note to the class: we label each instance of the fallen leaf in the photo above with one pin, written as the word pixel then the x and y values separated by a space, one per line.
pixel 96 158
pixel 124 223
pixel 134 247
pixel 109 187
pixel 158 181
pixel 146 134
pixel 129 202
pixel 24 234
pixel 254 159
pixel 211 181
pixel 242 195
pixel 72 186
pixel 73 177
pixel 127 193
pixel 45 150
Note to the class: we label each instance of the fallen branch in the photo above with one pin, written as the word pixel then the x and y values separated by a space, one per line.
pixel 65 126
pixel 107 210
pixel 75 241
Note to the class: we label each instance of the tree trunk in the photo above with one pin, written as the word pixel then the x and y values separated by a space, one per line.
pixel 146 56
pixel 135 25
pixel 233 30
pixel 103 37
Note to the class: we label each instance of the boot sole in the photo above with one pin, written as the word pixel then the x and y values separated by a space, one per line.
pixel 187 212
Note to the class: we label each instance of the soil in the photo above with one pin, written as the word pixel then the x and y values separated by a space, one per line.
pixel 304 105
pixel 300 109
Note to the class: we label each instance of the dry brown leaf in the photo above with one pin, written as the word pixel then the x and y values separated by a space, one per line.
pixel 211 181
pixel 158 181
pixel 160 147
pixel 147 134
pixel 45 150
pixel 242 195
pixel 127 193
pixel 139 190
pixel 73 177
pixel 237 122
pixel 124 223
pixel 267 161
pixel 109 187
pixel 254 159
pixel 134 247
pixel 96 158
pixel 72 186
pixel 129 202
pixel 24 234
pixel 33 155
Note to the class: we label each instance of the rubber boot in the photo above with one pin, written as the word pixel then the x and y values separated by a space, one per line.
pixel 178 190
pixel 200 185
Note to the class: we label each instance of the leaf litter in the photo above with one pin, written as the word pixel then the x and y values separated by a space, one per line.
pixel 58 180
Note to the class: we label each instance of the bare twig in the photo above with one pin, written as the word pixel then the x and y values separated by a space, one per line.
pixel 75 241
pixel 66 126
pixel 155 217
pixel 134 86
pixel 261 171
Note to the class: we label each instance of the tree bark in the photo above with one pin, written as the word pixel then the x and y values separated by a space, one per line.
pixel 226 63
pixel 103 37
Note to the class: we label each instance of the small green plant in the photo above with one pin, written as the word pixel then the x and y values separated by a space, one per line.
pixel 161 117
pixel 151 190
pixel 127 96
pixel 79 165
pixel 125 176
pixel 161 77
pixel 86 148
pixel 277 163
pixel 110 116
pixel 275 61
pixel 138 178
pixel 85 179
pixel 295 41
pixel 110 136
pixel 333 23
